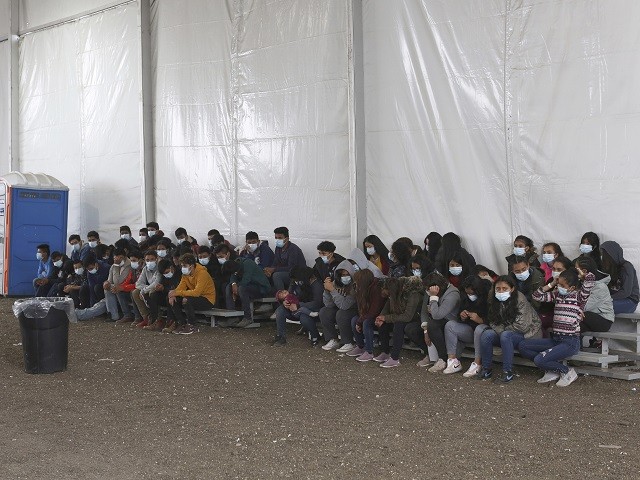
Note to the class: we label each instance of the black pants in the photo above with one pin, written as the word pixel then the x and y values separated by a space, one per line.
pixel 595 323
pixel 414 331
pixel 398 338
pixel 192 304
pixel 436 334
pixel 155 300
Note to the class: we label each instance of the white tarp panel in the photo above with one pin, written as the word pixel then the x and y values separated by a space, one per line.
pixel 251 118
pixel 445 153
pixel 5 164
pixel 80 116
pixel 34 13
pixel 4 18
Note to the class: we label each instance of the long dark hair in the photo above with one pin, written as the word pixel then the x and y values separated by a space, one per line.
pixel 434 241
pixel 611 267
pixel 402 252
pixel 426 265
pixel 380 247
pixel 393 287
pixel 458 258
pixel 363 280
pixel 481 288
pixel 594 241
pixel 451 244
pixel 503 313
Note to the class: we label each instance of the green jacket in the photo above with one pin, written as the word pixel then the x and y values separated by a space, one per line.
pixel 251 274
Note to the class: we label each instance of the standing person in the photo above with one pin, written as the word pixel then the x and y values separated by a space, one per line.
pixel 511 320
pixel 598 312
pixel 196 291
pixel 287 255
pixel 432 243
pixel 400 256
pixel 45 269
pixel 624 281
pixel 523 247
pixel 570 300
pixel 376 252
pixel 327 260
pixel 258 251
pixel 590 247
pixel 339 308
pixel 452 245
pixel 308 289
pixel 470 324
pixel 370 301
pixel 146 285
pixel 117 287
pixel 247 282
pixel 441 304
pixel 550 251
pixel 404 298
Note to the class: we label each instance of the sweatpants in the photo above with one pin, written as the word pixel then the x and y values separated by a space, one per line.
pixel 330 316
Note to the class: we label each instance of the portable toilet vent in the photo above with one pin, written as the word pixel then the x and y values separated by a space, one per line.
pixel 33 210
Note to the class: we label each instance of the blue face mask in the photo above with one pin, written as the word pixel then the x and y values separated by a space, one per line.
pixel 324 258
pixel 548 257
pixel 562 291
pixel 417 272
pixel 279 242
pixel 345 280
pixel 518 251
pixel 151 265
pixel 523 276
pixel 473 298
pixel 503 296
pixel 585 248
pixel 455 270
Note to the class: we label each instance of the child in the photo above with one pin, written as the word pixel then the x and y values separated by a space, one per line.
pixel 624 281
pixel 451 245
pixel 523 247
pixel 458 270
pixel 421 266
pixel 548 353
pixel 511 319
pixel 486 273
pixel 370 301
pixel 284 296
pixel 432 244
pixel 590 247
pixel 469 326
pixel 550 251
pixel 598 312
pixel 527 278
pixel 376 253
pixel 400 256
pixel 339 309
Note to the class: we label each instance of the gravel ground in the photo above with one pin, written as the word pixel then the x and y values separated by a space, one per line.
pixel 224 404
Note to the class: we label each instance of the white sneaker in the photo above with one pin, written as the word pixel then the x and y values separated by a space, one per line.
pixel 438 367
pixel 568 378
pixel 331 344
pixel 453 366
pixel 549 377
pixel 474 368
pixel 347 347
pixel 425 362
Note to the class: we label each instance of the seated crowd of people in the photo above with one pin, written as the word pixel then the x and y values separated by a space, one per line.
pixel 436 294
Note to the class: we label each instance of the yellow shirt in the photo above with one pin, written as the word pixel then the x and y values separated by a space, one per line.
pixel 377 262
pixel 198 284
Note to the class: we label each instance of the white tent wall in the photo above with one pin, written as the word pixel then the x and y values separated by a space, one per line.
pixel 5 164
pixel 251 118
pixel 80 116
pixel 445 153
pixel 35 13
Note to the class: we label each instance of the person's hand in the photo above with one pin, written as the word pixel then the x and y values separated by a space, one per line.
pixel 234 291
pixel 114 288
pixel 293 307
pixel 379 320
pixel 66 289
pixel 328 285
pixel 268 271
pixel 172 293
pixel 159 287
pixel 172 300
pixel 433 290
pixel 106 285
pixel 581 273
pixel 286 304
pixel 427 339
pixel 358 328
pixel 473 316
pixel 464 314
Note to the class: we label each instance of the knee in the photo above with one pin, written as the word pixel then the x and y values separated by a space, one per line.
pixel 539 360
pixel 505 337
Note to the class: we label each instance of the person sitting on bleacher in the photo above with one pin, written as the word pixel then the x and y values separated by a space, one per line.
pixel 258 251
pixel 287 255
pixel 526 278
pixel 184 239
pixel 223 254
pixel 75 281
pixel 117 288
pixel 624 280
pixel 97 273
pixel 78 250
pixel 56 278
pixel 196 291
pixel 170 279
pixel 598 312
pixel 327 260
pixel 45 268
pixel 137 261
pixel 125 234
pixel 146 285
pixel 247 282
pixel 339 308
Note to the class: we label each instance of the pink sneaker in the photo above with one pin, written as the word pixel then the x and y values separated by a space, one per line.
pixel 390 363
pixel 365 357
pixel 355 352
pixel 383 357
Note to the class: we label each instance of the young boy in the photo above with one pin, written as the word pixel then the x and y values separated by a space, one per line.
pixel 41 284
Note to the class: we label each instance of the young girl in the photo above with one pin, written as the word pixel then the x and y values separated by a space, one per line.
pixel 402 306
pixel 400 255
pixel 598 312
pixel 339 308
pixel 523 247
pixel 421 266
pixel 590 246
pixel 458 270
pixel 376 252
pixel 451 245
pixel 432 244
pixel 469 326
pixel 570 300
pixel 485 273
pixel 550 251
pixel 370 302
pixel 527 279
pixel 441 304
pixel 624 281
pixel 511 320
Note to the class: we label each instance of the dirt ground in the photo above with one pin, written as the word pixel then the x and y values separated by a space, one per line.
pixel 224 404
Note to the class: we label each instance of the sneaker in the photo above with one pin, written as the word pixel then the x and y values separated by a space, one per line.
pixel 156 326
pixel 453 366
pixel 568 378
pixel 331 345
pixel 279 342
pixel 170 328
pixel 124 321
pixel 549 377
pixel 383 357
pixel 425 362
pixel 355 351
pixel 143 323
pixel 390 363
pixel 315 342
pixel 506 377
pixel 273 316
pixel 178 329
pixel 474 368
pixel 347 347
pixel 263 308
pixel 439 366
pixel 301 331
pixel 188 329
pixel 244 323
pixel 484 374
pixel 365 357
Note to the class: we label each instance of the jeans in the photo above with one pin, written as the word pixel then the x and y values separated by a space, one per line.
pixel 100 308
pixel 398 338
pixel 280 280
pixel 41 290
pixel 246 294
pixel 363 339
pixel 190 305
pixel 507 341
pixel 625 305
pixel 455 335
pixel 121 298
pixel 435 329
pixel 547 353
pixel 308 322
pixel 330 316
pixel 281 320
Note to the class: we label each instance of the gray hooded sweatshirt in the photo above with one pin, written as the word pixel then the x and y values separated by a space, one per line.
pixel 335 298
pixel 628 286
pixel 361 260
pixel 600 301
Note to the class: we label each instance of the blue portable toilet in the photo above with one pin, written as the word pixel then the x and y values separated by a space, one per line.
pixel 33 210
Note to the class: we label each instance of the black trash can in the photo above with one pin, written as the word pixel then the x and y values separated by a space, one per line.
pixel 44 324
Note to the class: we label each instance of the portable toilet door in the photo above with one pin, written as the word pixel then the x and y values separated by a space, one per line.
pixel 33 211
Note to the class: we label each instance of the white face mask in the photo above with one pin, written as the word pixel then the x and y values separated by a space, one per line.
pixel 279 242
pixel 121 264
pixel 204 261
pixel 151 232
pixel 555 274
pixel 473 298
pixel 161 253
pixel 503 296
pixel 455 270
pixel 151 265
pixel 346 280
pixel 134 265
pixel 167 275
pixel 324 258
pixel 523 276
pixel 93 271
pixel 79 271
pixel 519 251
pixel 253 247
pixel 390 255
pixel 210 242
pixel 38 256
pixel 125 236
pixel 222 261
pixel 76 247
pixel 585 248
pixel 417 272
pixel 57 263
pixel 371 250
pixel 548 257
pixel 185 270
pixel 142 238
pixel 93 244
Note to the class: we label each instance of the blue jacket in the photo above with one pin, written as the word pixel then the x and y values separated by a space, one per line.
pixel 287 257
pixel 84 251
pixel 97 278
pixel 263 256
pixel 45 268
